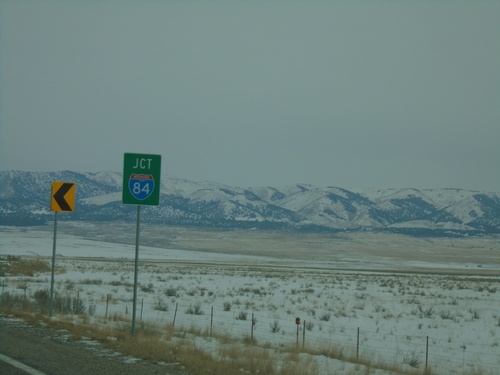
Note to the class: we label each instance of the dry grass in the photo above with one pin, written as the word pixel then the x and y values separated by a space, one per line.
pixel 231 356
pixel 17 266
pixel 156 343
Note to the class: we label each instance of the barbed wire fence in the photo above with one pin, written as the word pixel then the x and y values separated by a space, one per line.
pixel 271 329
pixel 425 351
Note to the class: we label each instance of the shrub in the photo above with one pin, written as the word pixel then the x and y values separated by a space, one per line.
pixel 10 301
pixel 474 313
pixel 325 317
pixel 411 359
pixel 242 316
pixel 16 266
pixel 92 282
pixel 254 320
pixel 195 309
pixel 42 300
pixel 426 313
pixel 78 306
pixel 63 304
pixel 446 314
pixel 275 326
pixel 160 305
pixel 147 288
pixel 171 292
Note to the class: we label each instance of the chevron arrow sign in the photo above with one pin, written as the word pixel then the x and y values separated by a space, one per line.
pixel 63 196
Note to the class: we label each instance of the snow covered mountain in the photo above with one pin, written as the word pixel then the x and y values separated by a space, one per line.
pixel 25 200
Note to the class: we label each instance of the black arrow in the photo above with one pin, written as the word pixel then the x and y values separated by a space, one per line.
pixel 59 196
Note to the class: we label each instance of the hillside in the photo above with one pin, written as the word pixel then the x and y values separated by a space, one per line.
pixel 25 200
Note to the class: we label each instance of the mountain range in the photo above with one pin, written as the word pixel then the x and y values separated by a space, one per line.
pixel 25 200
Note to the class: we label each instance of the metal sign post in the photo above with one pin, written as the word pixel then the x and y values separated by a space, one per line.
pixel 141 187
pixel 297 322
pixel 136 268
pixel 62 200
pixel 51 304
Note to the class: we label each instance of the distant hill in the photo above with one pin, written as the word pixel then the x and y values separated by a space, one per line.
pixel 25 200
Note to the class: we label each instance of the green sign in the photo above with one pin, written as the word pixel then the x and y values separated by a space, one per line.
pixel 141 179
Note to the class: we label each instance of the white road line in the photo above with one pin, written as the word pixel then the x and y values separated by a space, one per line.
pixel 21 366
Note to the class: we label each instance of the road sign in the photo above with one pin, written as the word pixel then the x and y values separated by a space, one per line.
pixel 63 196
pixel 141 179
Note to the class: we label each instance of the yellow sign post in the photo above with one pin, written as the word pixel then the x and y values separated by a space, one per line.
pixel 62 200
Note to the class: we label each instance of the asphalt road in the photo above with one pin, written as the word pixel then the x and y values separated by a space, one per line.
pixel 53 353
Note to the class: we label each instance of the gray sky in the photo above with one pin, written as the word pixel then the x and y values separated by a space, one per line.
pixel 368 94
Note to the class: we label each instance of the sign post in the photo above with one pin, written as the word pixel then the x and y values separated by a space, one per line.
pixel 62 200
pixel 297 322
pixel 141 187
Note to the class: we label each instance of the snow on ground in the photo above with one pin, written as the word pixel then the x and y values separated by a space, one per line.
pixel 382 315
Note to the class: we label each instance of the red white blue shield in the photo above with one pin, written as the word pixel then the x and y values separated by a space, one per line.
pixel 141 186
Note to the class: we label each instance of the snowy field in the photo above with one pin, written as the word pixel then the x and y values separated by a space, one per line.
pixel 385 298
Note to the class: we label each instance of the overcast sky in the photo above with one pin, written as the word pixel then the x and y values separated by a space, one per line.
pixel 368 94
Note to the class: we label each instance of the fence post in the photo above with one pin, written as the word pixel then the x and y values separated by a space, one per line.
pixel 211 320
pixel 251 333
pixel 463 358
pixel 107 303
pixel 175 314
pixel 426 352
pixel 303 335
pixel 297 344
pixel 357 346
pixel 142 308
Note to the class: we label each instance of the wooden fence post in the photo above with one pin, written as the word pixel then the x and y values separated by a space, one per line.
pixel 107 304
pixel 427 352
pixel 357 346
pixel 175 314
pixel 251 332
pixel 211 320
pixel 297 344
pixel 142 308
pixel 303 335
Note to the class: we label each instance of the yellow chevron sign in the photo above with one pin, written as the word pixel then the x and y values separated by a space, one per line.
pixel 63 196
